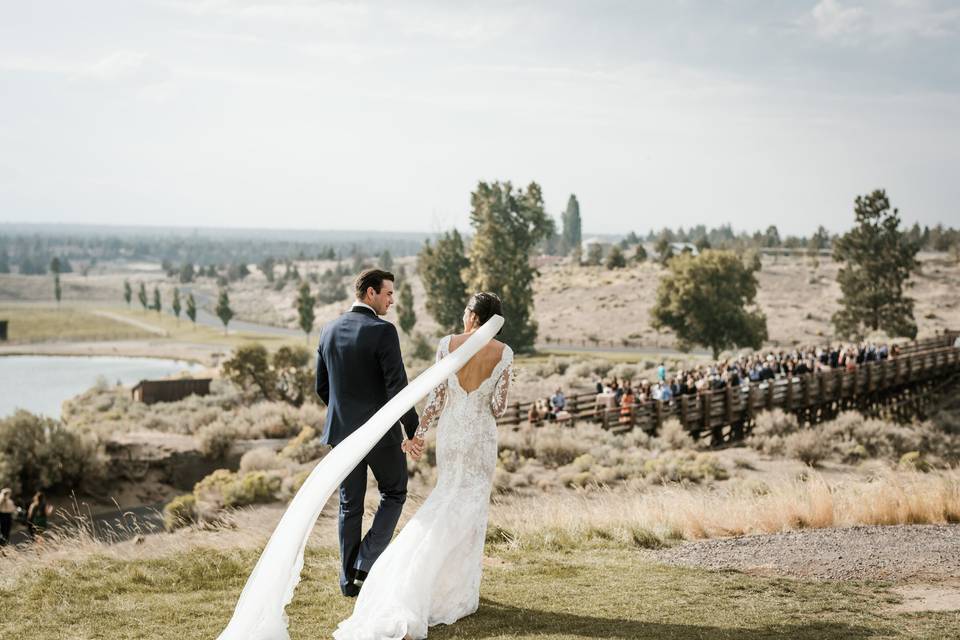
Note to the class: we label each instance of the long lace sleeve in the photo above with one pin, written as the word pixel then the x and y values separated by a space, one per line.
pixel 431 413
pixel 498 401
pixel 435 402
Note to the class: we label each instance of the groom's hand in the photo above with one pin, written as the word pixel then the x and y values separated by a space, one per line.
pixel 413 447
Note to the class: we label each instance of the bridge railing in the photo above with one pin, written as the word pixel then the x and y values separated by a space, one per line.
pixel 721 414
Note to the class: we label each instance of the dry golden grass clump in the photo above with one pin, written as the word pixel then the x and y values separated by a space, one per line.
pixel 651 518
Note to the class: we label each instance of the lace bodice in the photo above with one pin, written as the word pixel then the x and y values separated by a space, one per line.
pixel 491 393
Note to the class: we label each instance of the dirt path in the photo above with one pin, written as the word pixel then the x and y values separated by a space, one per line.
pixel 901 553
pixel 923 561
pixel 131 321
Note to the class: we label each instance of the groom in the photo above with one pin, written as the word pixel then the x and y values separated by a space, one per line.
pixel 359 369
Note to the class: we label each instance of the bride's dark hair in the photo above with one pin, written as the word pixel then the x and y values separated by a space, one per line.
pixel 485 305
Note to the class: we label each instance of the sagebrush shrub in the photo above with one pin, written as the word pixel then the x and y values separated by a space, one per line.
pixel 180 512
pixel 216 439
pixel 673 436
pixel 261 459
pixel 808 446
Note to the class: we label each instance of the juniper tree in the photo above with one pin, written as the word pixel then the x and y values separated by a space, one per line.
pixel 176 304
pixel 704 299
pixel 305 304
pixel 571 234
pixel 156 299
pixel 192 309
pixel 224 312
pixel 615 259
pixel 142 296
pixel 508 224
pixel 441 267
pixel 405 313
pixel 879 259
pixel 127 292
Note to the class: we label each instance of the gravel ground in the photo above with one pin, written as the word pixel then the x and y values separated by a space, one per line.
pixel 903 553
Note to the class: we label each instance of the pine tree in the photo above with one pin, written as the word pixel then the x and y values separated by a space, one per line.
pixel 441 267
pixel 879 259
pixel 224 312
pixel 305 304
pixel 176 304
pixel 156 299
pixel 127 292
pixel 508 224
pixel 571 224
pixel 704 300
pixel 57 292
pixel 192 309
pixel 386 260
pixel 142 296
pixel 405 312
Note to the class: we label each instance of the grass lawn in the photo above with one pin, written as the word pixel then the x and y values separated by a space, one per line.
pixel 41 323
pixel 600 593
pixel 46 323
pixel 185 331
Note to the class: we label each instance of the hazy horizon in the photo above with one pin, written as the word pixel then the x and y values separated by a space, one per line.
pixel 299 114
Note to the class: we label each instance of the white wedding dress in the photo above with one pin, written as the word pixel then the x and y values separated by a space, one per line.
pixel 430 574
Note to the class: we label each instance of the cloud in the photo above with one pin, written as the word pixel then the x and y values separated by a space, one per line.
pixel 331 14
pixel 888 21
pixel 833 20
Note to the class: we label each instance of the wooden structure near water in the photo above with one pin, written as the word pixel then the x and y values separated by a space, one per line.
pixel 899 388
pixel 151 391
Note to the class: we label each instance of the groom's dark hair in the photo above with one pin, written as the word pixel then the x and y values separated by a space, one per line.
pixel 371 278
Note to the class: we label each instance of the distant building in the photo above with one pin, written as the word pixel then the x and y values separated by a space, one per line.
pixel 151 391
pixel 680 247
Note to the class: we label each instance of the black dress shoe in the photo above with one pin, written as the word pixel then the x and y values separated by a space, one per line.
pixel 350 590
pixel 359 578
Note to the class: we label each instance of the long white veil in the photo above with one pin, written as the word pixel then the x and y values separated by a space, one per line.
pixel 259 614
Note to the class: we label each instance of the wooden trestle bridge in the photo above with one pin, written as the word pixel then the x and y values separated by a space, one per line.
pixel 899 388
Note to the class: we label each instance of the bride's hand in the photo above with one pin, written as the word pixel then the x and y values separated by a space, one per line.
pixel 413 447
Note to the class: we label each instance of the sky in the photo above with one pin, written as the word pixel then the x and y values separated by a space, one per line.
pixel 385 115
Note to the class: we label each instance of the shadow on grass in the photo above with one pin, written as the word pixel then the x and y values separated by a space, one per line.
pixel 495 619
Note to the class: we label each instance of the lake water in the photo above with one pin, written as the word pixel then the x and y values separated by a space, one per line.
pixel 40 384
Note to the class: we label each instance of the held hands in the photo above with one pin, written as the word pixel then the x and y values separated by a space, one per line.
pixel 413 447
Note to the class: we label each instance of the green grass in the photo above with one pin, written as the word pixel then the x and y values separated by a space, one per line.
pixel 185 331
pixel 42 323
pixel 601 593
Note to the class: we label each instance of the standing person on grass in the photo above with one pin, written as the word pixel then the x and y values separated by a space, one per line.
pixel 7 511
pixel 37 515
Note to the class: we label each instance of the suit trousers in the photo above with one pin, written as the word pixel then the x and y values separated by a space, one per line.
pixel 389 466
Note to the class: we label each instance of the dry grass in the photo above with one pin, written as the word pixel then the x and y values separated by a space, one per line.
pixel 797 297
pixel 648 518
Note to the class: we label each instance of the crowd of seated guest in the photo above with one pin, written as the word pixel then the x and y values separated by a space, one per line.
pixel 733 372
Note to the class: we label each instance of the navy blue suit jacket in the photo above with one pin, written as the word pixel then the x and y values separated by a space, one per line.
pixel 359 369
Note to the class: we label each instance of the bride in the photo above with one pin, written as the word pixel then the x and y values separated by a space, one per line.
pixel 430 574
